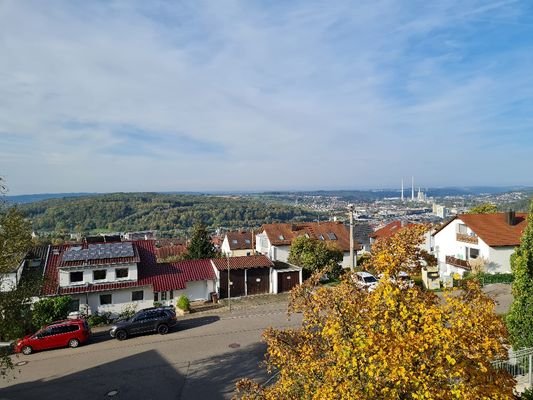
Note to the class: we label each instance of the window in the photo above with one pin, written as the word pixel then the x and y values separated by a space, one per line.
pixel 156 296
pixel 235 241
pixel 281 237
pixel 121 273
pixel 321 237
pixel 472 253
pixel 461 228
pixel 76 277
pixel 74 305
pixel 247 241
pixel 99 274
pixel 137 295
pixel 332 236
pixel 171 295
pixel 163 295
pixel 105 299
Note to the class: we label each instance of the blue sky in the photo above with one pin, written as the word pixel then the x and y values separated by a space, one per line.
pixel 258 95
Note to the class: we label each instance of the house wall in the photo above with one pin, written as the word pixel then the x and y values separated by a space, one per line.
pixel 262 244
pixel 224 248
pixel 120 300
pixel 446 244
pixel 64 274
pixel 279 253
pixel 500 259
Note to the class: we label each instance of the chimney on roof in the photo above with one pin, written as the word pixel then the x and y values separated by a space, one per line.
pixel 510 217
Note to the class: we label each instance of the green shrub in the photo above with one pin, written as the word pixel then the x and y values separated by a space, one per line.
pixel 487 279
pixel 128 311
pixel 157 304
pixel 98 319
pixel 183 303
pixel 50 309
pixel 527 394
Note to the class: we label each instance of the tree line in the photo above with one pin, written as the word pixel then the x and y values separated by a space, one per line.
pixel 171 214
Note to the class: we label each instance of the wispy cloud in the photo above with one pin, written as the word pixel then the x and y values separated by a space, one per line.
pixel 254 95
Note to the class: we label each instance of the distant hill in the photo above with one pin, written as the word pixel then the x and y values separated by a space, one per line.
pixel 32 198
pixel 170 214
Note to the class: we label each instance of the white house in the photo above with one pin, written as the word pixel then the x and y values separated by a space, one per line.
pixel 471 236
pixel 238 243
pixel 110 277
pixel 275 240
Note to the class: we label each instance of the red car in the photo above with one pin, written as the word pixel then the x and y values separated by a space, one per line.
pixel 69 332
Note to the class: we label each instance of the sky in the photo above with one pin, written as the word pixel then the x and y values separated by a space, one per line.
pixel 108 96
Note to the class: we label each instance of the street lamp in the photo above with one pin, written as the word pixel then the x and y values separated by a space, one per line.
pixel 352 254
pixel 229 285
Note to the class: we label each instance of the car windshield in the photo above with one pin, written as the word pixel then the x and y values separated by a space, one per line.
pixel 370 279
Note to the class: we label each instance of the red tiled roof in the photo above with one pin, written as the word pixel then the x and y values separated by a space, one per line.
pixel 389 229
pixel 237 240
pixel 175 276
pixel 282 234
pixel 243 262
pixel 170 251
pixel 494 230
pixel 99 287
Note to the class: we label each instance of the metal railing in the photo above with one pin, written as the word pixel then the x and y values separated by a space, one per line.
pixel 519 364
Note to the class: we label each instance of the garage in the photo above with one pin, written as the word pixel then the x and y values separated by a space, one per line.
pixel 249 275
pixel 288 280
pixel 237 283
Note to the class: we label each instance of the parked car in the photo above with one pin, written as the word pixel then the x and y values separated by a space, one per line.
pixel 159 320
pixel 365 280
pixel 69 332
pixel 403 280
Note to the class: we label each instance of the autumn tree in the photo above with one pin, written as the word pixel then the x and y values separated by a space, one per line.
pixel 484 208
pixel 314 255
pixel 520 317
pixel 390 343
pixel 201 245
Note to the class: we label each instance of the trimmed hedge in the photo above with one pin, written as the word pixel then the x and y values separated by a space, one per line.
pixel 487 279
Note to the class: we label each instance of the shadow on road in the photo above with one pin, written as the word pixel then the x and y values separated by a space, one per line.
pixel 150 375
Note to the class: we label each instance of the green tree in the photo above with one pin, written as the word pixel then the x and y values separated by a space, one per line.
pixel 201 245
pixel 484 208
pixel 313 255
pixel 50 309
pixel 15 241
pixel 520 318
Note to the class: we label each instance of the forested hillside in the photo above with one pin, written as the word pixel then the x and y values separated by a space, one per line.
pixel 171 214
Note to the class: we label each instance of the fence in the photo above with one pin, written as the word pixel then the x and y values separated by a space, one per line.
pixel 519 364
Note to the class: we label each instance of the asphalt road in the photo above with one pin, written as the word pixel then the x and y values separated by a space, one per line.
pixel 201 359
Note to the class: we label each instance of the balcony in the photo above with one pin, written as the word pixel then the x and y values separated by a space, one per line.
pixel 457 262
pixel 463 237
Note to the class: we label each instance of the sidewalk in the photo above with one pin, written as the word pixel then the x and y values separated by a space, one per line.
pixel 239 306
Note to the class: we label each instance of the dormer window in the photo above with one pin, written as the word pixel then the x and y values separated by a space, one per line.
pixel 234 241
pixel 247 241
pixel 332 236
pixel 281 237
pixel 321 237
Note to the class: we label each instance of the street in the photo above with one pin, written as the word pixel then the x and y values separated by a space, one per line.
pixel 201 359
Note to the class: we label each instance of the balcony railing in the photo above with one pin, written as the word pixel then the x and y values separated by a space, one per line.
pixel 457 262
pixel 463 237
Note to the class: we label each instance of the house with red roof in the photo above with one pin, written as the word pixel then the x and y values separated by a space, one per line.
pixel 108 277
pixel 275 239
pixel 393 227
pixel 491 238
pixel 238 243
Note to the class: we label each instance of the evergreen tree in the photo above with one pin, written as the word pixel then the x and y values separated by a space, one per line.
pixel 201 245
pixel 520 318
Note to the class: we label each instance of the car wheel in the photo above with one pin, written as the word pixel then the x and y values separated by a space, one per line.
pixel 73 343
pixel 27 350
pixel 121 335
pixel 162 329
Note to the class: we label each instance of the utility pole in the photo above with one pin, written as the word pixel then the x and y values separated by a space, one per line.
pixel 352 255
pixel 229 286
